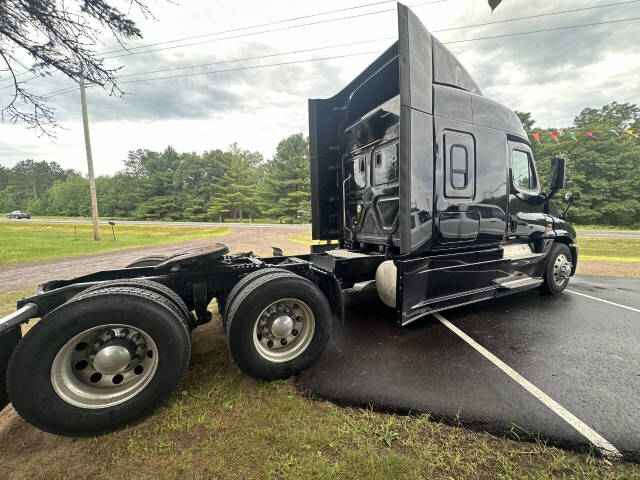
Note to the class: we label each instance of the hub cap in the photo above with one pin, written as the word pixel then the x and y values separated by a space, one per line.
pixel 561 269
pixel 104 366
pixel 283 330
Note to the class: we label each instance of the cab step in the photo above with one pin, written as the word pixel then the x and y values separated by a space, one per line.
pixel 517 281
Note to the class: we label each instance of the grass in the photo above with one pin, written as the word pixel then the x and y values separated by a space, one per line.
pixel 25 242
pixel 603 249
pixel 614 228
pixel 228 220
pixel 304 239
pixel 221 424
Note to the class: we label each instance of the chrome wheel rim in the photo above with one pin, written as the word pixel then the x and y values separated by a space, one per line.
pixel 283 330
pixel 561 269
pixel 104 366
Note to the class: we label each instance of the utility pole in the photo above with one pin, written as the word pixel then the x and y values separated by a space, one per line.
pixel 92 180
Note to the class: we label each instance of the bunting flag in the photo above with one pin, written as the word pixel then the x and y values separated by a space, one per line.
pixel 589 133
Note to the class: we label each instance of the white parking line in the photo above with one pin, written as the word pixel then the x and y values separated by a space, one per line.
pixel 606 449
pixel 604 301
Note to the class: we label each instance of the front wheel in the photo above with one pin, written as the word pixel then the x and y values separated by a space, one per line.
pixel 278 325
pixel 99 361
pixel 557 269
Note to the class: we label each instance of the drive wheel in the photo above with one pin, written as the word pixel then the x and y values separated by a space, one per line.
pixel 278 325
pixel 99 361
pixel 557 270
pixel 241 284
pixel 152 286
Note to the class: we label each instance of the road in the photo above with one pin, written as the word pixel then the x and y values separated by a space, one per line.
pixel 166 224
pixel 564 369
pixel 248 238
pixel 584 233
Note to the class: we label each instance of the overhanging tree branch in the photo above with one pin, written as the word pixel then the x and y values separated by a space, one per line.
pixel 59 35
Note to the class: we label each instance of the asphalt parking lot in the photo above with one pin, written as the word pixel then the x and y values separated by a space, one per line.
pixel 562 369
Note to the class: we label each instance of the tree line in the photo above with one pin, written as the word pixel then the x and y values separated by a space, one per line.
pixel 236 184
pixel 605 171
pixel 217 185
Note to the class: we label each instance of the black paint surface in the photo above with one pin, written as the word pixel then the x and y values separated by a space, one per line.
pixel 583 353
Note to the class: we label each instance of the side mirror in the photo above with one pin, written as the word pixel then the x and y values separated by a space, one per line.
pixel 558 165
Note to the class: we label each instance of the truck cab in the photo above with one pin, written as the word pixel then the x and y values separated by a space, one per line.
pixel 411 161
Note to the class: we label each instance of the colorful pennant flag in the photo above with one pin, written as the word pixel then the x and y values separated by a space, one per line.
pixel 590 134
pixel 555 135
pixel 573 135
pixel 614 132
pixel 536 136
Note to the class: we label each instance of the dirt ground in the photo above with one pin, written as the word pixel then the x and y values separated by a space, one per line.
pixel 609 269
pixel 257 239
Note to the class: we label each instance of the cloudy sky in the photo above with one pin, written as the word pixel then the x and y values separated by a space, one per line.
pixel 552 74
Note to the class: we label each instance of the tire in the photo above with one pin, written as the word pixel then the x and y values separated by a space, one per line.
pixel 296 303
pixel 222 306
pixel 557 269
pixel 152 286
pixel 150 261
pixel 49 388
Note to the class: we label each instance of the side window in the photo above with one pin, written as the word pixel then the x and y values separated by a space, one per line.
pixel 359 175
pixel 523 171
pixel 459 165
pixel 385 164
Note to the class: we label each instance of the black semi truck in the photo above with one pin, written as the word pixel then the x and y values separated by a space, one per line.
pixel 418 182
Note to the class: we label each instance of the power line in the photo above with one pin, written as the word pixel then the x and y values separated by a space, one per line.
pixel 69 89
pixel 364 41
pixel 346 18
pixel 374 40
pixel 339 19
pixel 275 22
pixel 543 30
pixel 253 33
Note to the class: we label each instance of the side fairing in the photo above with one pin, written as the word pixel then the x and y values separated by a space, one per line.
pixel 416 133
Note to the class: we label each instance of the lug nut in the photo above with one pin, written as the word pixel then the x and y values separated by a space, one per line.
pixel 270 343
pixel 124 332
pixel 259 336
pixel 110 333
pixel 283 341
pixel 135 337
pixel 294 332
pixel 298 319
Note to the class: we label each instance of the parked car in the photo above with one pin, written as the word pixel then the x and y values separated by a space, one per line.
pixel 19 214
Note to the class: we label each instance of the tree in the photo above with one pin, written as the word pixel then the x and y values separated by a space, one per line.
pixel 606 172
pixel 526 120
pixel 58 35
pixel 235 192
pixel 613 115
pixel 286 188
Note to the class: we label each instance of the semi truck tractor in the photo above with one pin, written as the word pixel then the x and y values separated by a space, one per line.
pixel 419 183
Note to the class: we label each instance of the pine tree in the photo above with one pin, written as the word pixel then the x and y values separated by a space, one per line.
pixel 235 192
pixel 286 191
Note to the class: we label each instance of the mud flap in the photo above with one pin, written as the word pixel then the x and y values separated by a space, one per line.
pixel 8 341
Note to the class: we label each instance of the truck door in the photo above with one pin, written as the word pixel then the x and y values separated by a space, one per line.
pixel 526 217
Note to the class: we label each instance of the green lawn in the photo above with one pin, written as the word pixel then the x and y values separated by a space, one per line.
pixel 221 424
pixel 24 242
pixel 603 249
